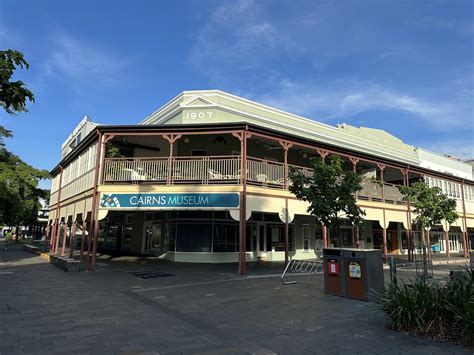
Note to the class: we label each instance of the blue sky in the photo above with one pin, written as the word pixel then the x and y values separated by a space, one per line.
pixel 402 66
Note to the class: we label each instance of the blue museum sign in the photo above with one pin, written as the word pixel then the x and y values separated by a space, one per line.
pixel 179 200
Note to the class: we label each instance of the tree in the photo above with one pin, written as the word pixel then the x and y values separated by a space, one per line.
pixel 430 207
pixel 330 192
pixel 19 192
pixel 13 94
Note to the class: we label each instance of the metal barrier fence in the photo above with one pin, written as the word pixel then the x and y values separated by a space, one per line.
pixel 423 268
pixel 309 267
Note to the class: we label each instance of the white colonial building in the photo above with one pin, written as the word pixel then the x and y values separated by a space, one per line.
pixel 204 179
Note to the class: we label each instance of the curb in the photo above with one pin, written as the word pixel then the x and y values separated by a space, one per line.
pixel 438 262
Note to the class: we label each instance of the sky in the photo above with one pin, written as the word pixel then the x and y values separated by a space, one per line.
pixel 403 66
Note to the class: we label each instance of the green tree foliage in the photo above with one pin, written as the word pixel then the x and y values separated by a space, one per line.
pixel 330 192
pixel 430 205
pixel 19 192
pixel 442 312
pixel 13 94
pixel 112 150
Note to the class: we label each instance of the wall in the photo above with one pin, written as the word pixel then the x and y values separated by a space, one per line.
pixel 445 165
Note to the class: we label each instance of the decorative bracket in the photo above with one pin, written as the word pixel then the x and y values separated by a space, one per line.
pixel 323 153
pixel 171 138
pixel 108 137
pixel 354 160
pixel 241 135
pixel 286 145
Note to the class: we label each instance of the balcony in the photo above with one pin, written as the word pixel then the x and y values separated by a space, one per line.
pixel 221 170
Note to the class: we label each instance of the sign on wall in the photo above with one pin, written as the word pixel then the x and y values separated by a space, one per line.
pixel 177 200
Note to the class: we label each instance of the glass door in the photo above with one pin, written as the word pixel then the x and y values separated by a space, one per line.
pixel 261 235
pixel 148 237
pixel 251 235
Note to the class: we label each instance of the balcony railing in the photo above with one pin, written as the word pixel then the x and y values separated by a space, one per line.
pixel 222 170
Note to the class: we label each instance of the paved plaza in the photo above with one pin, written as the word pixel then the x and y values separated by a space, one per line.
pixel 171 308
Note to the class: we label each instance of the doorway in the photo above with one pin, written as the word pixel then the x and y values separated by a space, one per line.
pixel 153 242
pixel 261 238
pixel 256 238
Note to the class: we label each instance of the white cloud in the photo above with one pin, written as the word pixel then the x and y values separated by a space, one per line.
pixel 82 62
pixel 243 48
pixel 237 35
pixel 337 101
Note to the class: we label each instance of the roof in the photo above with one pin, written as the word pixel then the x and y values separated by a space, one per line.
pixel 215 106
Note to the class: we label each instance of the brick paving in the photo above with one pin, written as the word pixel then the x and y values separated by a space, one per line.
pixel 202 309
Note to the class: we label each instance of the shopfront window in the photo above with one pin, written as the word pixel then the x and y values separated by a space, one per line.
pixel 194 237
pixel 276 237
pixel 225 237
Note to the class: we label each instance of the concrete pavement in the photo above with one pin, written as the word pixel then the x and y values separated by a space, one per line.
pixel 200 309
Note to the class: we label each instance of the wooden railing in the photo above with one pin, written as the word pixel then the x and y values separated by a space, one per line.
pixel 223 170
pixel 265 172
pixel 380 192
pixel 206 170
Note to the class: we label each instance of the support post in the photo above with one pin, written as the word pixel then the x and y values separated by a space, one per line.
pixel 83 236
pixel 57 216
pixel 92 240
pixel 384 231
pixel 446 242
pixel 428 243
pixel 63 248
pixel 287 216
pixel 52 237
pixel 242 136
pixel 382 168
pixel 354 162
pixel 73 240
pixel 286 146
pixel 325 236
pixel 409 222
pixel 465 235
pixel 102 140
pixel 171 138
pixel 58 236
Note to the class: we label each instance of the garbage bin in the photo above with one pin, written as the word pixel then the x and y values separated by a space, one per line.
pixel 333 269
pixel 352 272
pixel 364 272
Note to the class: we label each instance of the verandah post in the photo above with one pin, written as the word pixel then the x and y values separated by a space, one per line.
pixel 323 154
pixel 171 138
pixel 286 146
pixel 242 136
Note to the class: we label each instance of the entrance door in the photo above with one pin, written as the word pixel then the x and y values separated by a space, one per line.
pixel 152 238
pixel 251 235
pixel 261 239
pixel 148 237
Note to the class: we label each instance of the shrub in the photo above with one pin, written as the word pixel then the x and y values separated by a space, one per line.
pixel 441 312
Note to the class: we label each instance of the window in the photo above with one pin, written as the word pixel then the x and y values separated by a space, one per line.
pixel 194 237
pixel 225 236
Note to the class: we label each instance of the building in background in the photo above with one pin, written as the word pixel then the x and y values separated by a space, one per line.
pixel 35 231
pixel 204 179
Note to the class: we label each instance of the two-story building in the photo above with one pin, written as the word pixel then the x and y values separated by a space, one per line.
pixel 205 179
